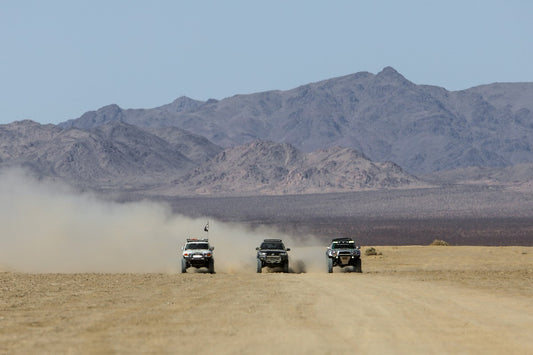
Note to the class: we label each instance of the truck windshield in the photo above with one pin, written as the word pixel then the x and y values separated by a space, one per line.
pixel 343 246
pixel 272 246
pixel 197 246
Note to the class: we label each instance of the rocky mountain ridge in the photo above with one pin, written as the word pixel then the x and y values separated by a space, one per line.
pixel 268 168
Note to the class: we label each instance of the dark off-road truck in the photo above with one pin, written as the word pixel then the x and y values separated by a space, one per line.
pixel 272 253
pixel 343 252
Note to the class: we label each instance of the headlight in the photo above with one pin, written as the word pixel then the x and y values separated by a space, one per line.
pixel 334 253
pixel 283 253
pixel 262 254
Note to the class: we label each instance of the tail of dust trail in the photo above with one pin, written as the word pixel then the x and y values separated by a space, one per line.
pixel 50 227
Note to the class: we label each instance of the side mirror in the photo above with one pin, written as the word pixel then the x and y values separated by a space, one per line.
pixel 211 248
pixel 288 249
pixel 257 248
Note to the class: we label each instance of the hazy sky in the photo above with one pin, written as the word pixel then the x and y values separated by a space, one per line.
pixel 59 59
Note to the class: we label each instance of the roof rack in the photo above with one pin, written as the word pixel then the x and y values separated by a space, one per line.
pixel 272 240
pixel 343 240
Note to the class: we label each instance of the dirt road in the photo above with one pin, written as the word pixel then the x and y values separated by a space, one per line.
pixel 409 300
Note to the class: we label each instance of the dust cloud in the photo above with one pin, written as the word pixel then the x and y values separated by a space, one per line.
pixel 47 227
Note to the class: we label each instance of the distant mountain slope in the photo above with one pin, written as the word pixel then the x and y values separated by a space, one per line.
pixel 271 168
pixel 420 127
pixel 22 139
pixel 196 148
pixel 517 176
pixel 111 155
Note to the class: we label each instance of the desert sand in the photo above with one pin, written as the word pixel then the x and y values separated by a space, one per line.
pixel 409 300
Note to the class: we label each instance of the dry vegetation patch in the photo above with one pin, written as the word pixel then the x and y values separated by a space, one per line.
pixel 372 251
pixel 440 242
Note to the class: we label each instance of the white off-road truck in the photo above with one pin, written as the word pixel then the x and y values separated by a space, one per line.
pixel 197 253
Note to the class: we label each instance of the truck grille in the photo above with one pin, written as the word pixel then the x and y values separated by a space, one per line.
pixel 273 259
pixel 345 259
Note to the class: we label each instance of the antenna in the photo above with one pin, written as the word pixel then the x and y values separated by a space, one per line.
pixel 206 228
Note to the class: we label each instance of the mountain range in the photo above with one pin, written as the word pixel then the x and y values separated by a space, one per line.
pixel 422 128
pixel 356 132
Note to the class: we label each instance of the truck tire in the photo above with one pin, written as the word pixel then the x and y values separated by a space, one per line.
pixel 357 265
pixel 330 265
pixel 183 266
pixel 211 266
pixel 286 267
pixel 259 266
